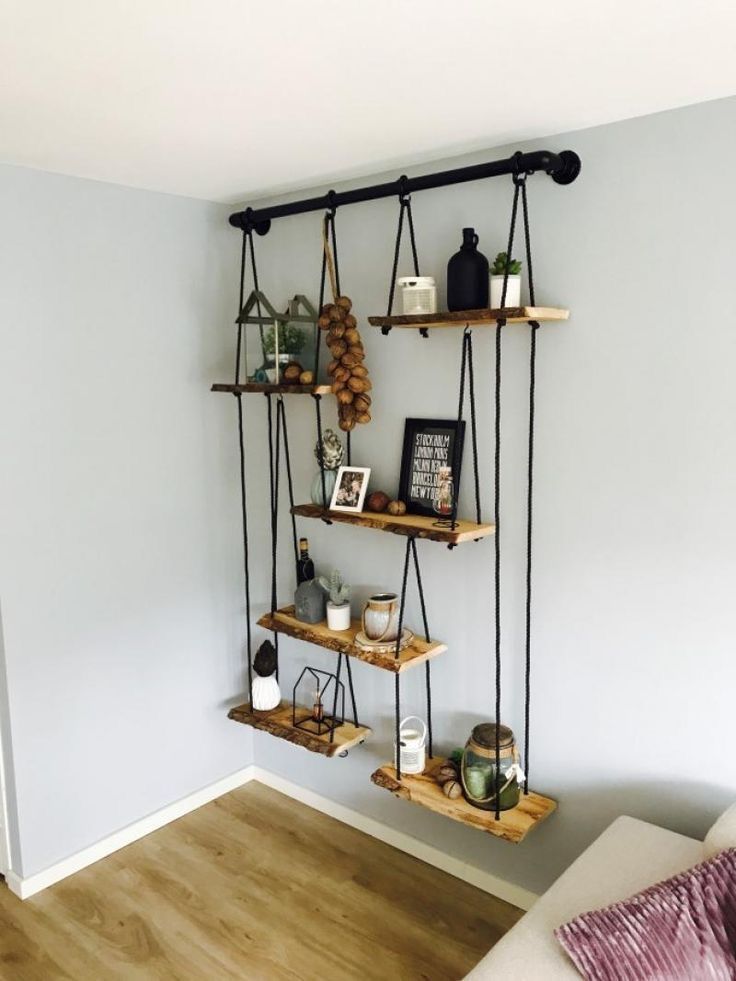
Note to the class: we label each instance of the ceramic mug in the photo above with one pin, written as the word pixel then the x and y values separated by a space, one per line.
pixel 380 618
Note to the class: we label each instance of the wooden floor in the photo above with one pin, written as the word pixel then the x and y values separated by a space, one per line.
pixel 253 886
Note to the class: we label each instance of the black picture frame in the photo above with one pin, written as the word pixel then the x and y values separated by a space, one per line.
pixel 415 490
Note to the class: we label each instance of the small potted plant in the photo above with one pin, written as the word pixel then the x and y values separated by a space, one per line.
pixel 501 265
pixel 332 456
pixel 291 342
pixel 338 605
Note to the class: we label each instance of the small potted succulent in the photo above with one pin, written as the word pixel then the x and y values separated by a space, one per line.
pixel 338 605
pixel 291 343
pixel 332 456
pixel 501 265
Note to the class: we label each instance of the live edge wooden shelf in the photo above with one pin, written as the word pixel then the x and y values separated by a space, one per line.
pixel 264 388
pixel 513 825
pixel 472 318
pixel 404 524
pixel 343 641
pixel 278 722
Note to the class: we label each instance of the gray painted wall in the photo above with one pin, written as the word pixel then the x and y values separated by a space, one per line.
pixel 120 558
pixel 634 548
pixel 120 563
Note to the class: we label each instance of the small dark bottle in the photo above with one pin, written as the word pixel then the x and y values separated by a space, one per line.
pixel 304 566
pixel 467 276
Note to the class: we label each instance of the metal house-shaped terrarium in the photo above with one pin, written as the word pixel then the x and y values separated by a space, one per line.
pixel 281 337
pixel 318 702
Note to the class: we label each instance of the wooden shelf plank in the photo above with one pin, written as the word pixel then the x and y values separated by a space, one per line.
pixel 284 622
pixel 266 389
pixel 475 318
pixel 423 789
pixel 405 524
pixel 278 722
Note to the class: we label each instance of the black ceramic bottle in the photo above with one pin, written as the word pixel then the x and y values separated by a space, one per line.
pixel 467 276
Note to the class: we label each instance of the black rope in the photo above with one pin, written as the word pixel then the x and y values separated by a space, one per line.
pixel 427 674
pixel 497 503
pixel 239 346
pixel 397 723
pixel 273 461
pixel 246 571
pixel 334 701
pixel 404 205
pixel 398 652
pixel 473 430
pixel 322 282
pixel 529 506
pixel 349 442
pixel 281 408
pixel 456 446
pixel 352 691
pixel 530 489
pixel 331 219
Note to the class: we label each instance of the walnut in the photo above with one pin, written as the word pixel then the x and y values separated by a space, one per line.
pixel 324 322
pixel 363 417
pixel 362 402
pixel 345 396
pixel 359 371
pixel 347 424
pixel 342 373
pixel 351 335
pixel 349 360
pixel 332 367
pixel 397 507
pixel 357 384
pixel 336 331
pixel 350 320
pixel 292 372
pixel 338 348
pixel 306 378
pixel 452 789
pixel 344 303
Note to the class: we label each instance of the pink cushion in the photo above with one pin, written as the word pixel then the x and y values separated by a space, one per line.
pixel 682 929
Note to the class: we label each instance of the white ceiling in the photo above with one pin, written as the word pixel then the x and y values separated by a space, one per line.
pixel 231 99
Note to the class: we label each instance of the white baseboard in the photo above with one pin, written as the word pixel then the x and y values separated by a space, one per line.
pixel 495 886
pixel 29 886
pixel 489 883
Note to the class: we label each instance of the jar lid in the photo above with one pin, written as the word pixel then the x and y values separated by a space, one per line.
pixel 421 281
pixel 484 734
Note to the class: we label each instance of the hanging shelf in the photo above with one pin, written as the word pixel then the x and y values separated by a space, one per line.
pixel 408 525
pixel 343 641
pixel 423 789
pixel 264 388
pixel 278 722
pixel 472 318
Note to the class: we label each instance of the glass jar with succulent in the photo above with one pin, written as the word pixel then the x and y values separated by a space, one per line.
pixel 338 605
pixel 501 265
pixel 332 457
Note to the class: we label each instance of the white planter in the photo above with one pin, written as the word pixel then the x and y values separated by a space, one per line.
pixel 338 617
pixel 266 693
pixel 513 292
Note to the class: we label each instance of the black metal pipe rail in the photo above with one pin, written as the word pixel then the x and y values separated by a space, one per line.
pixel 562 167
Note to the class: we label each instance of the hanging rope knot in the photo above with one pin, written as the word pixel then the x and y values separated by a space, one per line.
pixel 248 224
pixel 331 205
pixel 404 196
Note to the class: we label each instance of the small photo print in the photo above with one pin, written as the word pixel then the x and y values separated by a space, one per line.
pixel 350 489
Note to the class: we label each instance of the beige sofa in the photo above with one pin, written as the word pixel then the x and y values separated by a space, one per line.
pixel 629 856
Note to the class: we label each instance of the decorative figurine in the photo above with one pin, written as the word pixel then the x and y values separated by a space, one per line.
pixel 266 694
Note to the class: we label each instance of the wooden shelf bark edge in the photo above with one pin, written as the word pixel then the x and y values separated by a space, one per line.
pixel 264 388
pixel 406 524
pixel 343 641
pixel 422 789
pixel 278 723
pixel 476 318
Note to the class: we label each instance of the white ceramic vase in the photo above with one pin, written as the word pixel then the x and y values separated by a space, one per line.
pixel 513 292
pixel 338 617
pixel 266 693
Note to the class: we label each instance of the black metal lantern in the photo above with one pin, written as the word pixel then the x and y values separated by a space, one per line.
pixel 318 702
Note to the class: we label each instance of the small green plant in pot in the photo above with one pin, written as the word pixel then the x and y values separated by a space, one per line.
pixel 291 342
pixel 338 605
pixel 501 265
pixel 332 457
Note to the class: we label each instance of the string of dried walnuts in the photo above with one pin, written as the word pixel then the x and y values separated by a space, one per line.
pixel 350 382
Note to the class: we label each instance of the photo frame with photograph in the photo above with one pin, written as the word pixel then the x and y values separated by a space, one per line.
pixel 429 444
pixel 351 487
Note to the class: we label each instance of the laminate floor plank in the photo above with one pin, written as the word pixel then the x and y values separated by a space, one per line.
pixel 258 887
